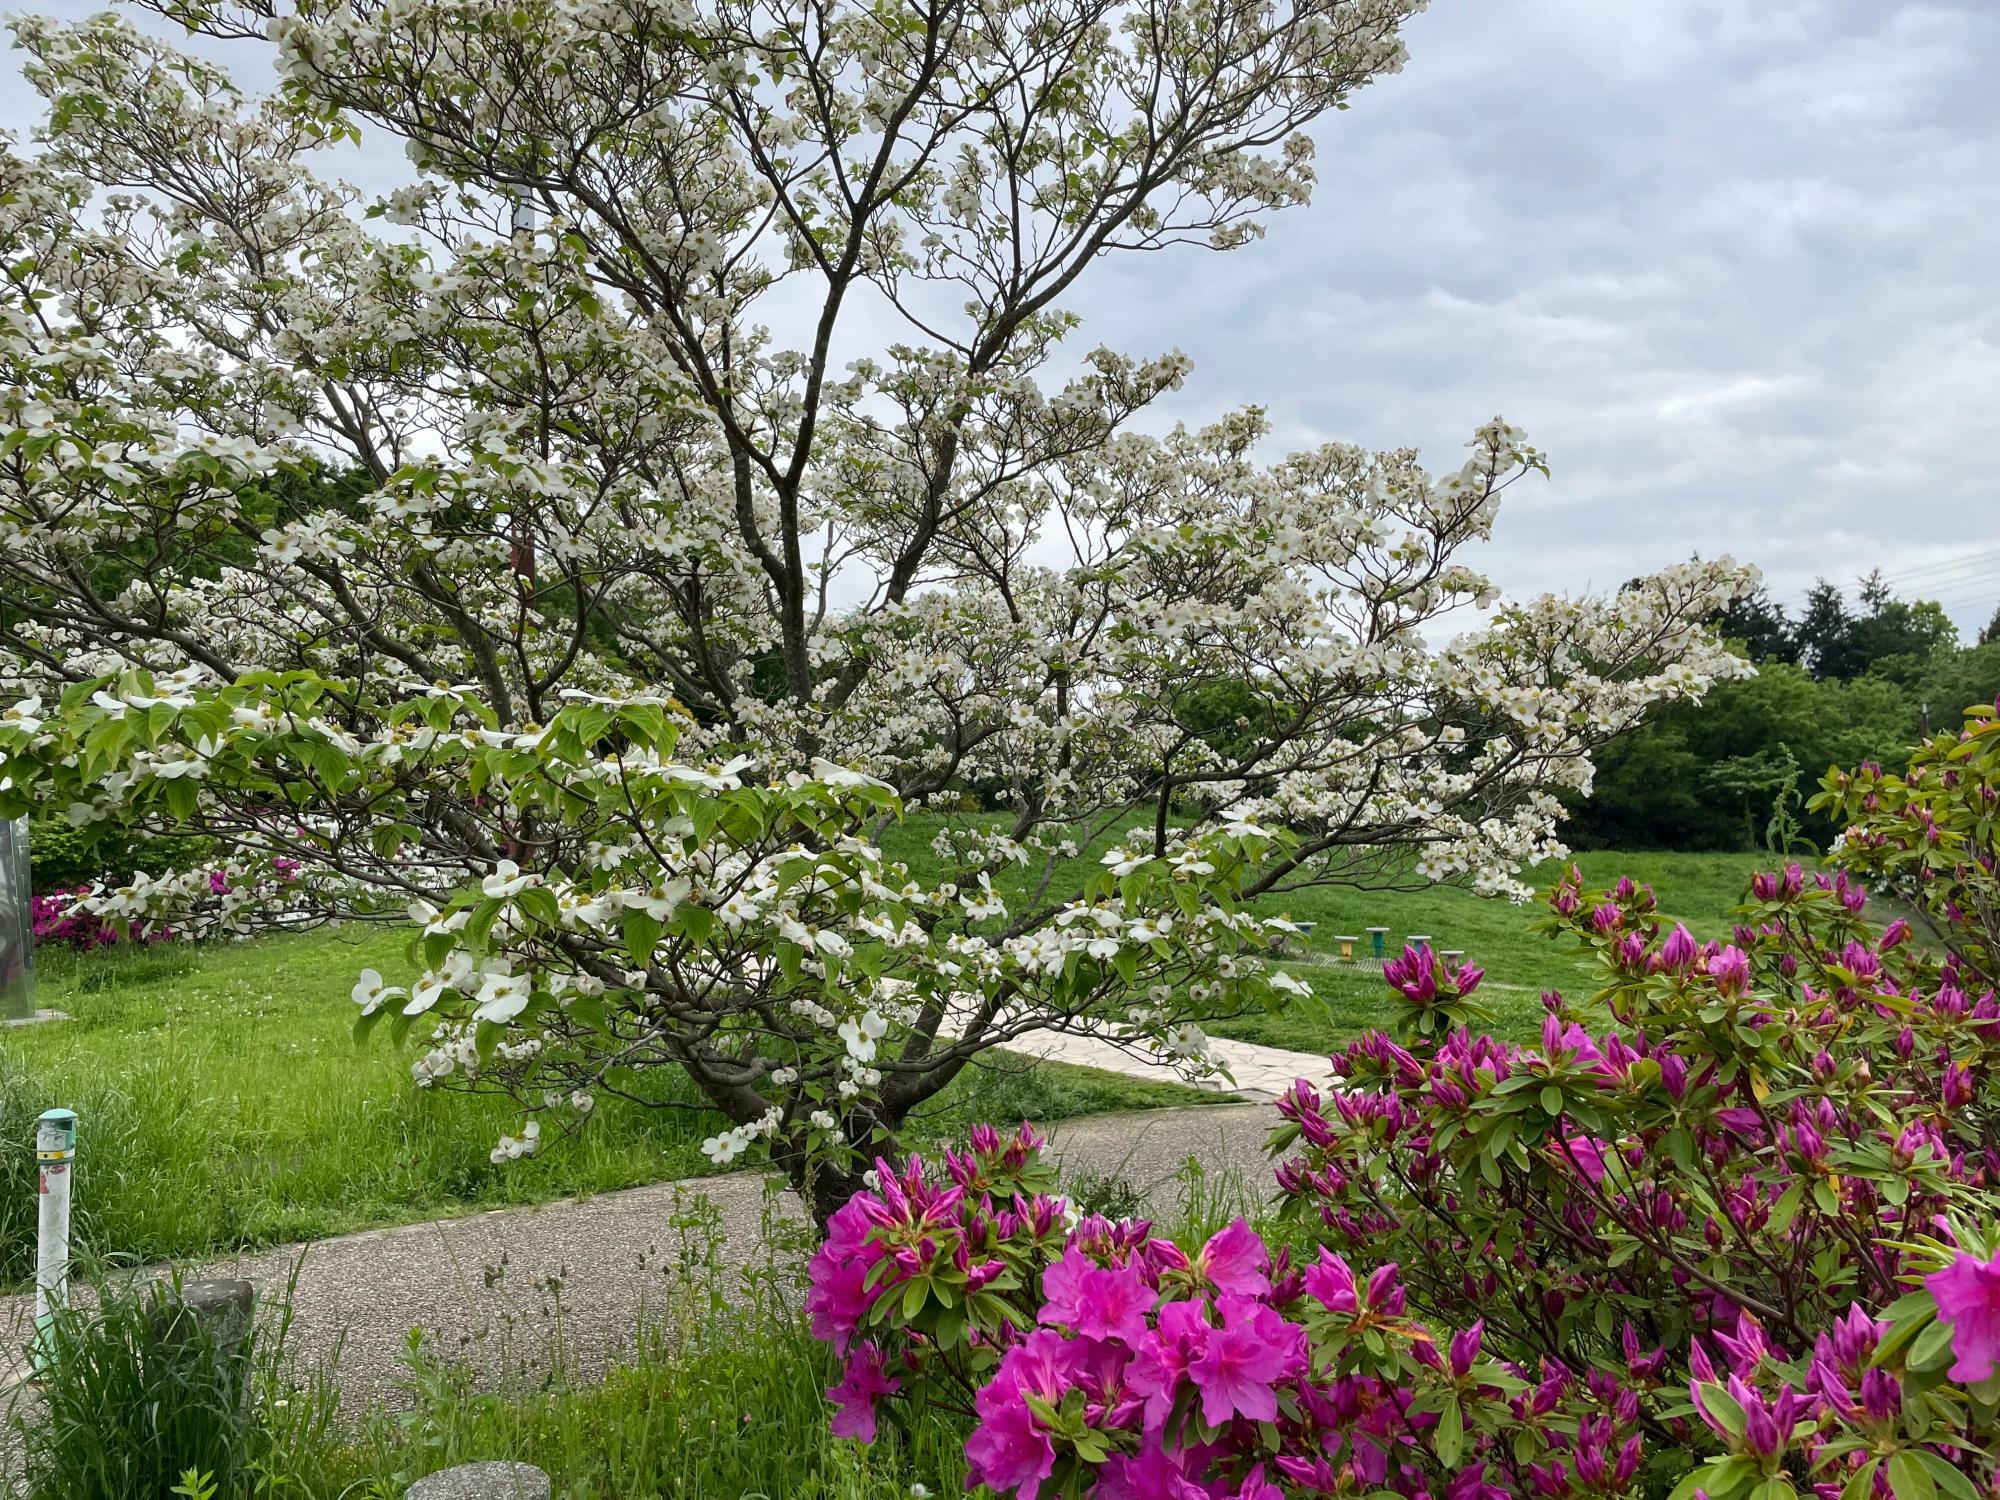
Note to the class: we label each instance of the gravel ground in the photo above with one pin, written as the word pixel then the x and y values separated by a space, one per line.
pixel 513 1290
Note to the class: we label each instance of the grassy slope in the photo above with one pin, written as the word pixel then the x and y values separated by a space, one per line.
pixel 223 1103
pixel 1698 889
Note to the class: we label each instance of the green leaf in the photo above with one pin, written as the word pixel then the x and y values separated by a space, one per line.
pixel 181 797
pixel 696 923
pixel 1949 1479
pixel 1450 1439
pixel 1787 1208
pixel 1909 1479
pixel 1722 1406
pixel 480 923
pixel 539 902
pixel 325 760
pixel 641 934
pixel 1930 1352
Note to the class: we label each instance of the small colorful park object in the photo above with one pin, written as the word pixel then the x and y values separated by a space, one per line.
pixel 1378 936
pixel 1347 942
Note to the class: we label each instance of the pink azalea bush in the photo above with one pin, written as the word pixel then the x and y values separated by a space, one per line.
pixel 99 915
pixel 1096 1358
pixel 1730 1230
pixel 58 921
pixel 1928 834
pixel 1099 1355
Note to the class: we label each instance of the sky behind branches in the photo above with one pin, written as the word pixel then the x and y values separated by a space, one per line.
pixel 1731 263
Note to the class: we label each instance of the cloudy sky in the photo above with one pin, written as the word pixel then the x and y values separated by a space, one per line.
pixel 1735 264
pixel 1731 263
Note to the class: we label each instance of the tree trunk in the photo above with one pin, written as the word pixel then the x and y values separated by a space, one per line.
pixel 823 1187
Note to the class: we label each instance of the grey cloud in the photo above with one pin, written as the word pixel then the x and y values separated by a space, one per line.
pixel 1730 263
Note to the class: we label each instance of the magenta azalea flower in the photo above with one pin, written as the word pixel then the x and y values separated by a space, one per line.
pixel 1008 1450
pixel 1252 1350
pixel 840 1296
pixel 1152 1473
pixel 1234 1261
pixel 1256 1487
pixel 1968 1298
pixel 1162 1361
pixel 1331 1283
pixel 865 1380
pixel 1587 1153
pixel 1099 1302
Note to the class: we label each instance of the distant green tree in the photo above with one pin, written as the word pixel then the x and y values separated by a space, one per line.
pixel 1654 790
pixel 1825 632
pixel 1758 627
pixel 1954 681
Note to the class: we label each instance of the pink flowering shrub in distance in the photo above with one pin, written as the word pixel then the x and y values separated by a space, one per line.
pixel 58 921
pixel 86 917
pixel 1731 1229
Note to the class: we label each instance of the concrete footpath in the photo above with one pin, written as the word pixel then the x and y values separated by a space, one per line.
pixel 1253 1070
pixel 516 1290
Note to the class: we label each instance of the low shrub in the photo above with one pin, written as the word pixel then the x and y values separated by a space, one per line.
pixel 99 914
pixel 62 857
pixel 1733 1230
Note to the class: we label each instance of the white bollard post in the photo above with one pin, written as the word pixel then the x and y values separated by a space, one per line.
pixel 55 1154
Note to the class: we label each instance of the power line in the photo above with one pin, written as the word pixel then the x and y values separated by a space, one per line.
pixel 1946 576
pixel 1987 558
pixel 1956 601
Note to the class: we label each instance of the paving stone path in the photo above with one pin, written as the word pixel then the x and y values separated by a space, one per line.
pixel 516 1290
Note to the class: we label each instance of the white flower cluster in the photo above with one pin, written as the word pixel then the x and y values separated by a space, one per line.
pixel 732 1143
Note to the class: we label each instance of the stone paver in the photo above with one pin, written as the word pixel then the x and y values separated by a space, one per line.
pixel 516 1291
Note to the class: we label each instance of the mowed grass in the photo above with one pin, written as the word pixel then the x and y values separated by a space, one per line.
pixel 223 1102
pixel 1700 890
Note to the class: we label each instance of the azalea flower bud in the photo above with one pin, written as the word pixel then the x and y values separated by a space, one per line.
pixel 1958 1090
pixel 1674 1076
pixel 1465 1348
pixel 1678 951
pixel 1881 1395
pixel 1729 971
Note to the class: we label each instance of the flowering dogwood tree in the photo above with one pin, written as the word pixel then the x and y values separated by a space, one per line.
pixel 588 546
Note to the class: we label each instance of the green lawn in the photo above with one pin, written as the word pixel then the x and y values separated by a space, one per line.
pixel 223 1102
pixel 1698 889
